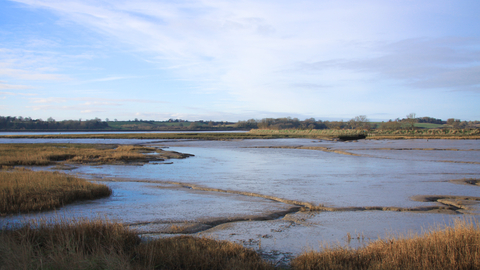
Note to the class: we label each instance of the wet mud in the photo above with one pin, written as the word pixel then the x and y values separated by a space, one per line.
pixel 446 205
pixel 191 227
pixel 319 148
pixel 350 153
pixel 466 181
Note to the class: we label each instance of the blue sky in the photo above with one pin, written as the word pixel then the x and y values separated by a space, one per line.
pixel 236 60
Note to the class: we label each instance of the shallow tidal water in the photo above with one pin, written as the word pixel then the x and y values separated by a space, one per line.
pixel 232 174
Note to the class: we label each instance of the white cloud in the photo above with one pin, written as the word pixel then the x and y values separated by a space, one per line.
pixel 13 86
pixel 29 65
pixel 280 56
pixel 451 63
pixel 91 111
pixel 30 75
pixel 16 93
pixel 110 79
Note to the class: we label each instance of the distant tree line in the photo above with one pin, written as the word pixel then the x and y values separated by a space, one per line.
pixel 431 120
pixel 409 123
pixel 27 123
pixel 360 122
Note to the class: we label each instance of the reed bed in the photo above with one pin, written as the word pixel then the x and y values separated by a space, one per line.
pixel 47 154
pixel 451 134
pixel 101 244
pixel 374 134
pixel 309 132
pixel 455 247
pixel 23 191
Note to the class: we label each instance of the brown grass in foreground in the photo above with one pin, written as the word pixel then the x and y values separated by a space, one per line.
pixel 456 247
pixel 105 245
pixel 26 191
pixel 100 244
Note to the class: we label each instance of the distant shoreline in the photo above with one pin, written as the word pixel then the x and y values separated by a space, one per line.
pixel 326 134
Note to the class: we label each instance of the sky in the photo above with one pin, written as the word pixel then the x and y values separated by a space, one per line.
pixel 238 60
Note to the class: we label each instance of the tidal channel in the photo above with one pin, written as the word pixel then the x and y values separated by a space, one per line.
pixel 284 196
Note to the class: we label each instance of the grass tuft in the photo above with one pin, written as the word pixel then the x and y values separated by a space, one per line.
pixel 456 247
pixel 25 191
pixel 101 244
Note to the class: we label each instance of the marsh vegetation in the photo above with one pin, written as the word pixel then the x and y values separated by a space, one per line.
pixel 455 247
pixel 100 244
pixel 23 191
pixel 48 154
pixel 325 134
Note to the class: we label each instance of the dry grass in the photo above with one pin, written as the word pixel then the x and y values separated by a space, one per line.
pixel 454 134
pixel 456 247
pixel 312 133
pixel 105 245
pixel 46 154
pixel 25 191
pixel 186 252
pixel 374 134
pixel 100 244
pixel 67 245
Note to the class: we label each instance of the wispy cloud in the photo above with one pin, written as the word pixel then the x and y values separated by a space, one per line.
pixel 17 94
pixel 92 100
pixel 49 100
pixel 451 63
pixel 6 86
pixel 112 78
pixel 91 111
pixel 23 74
pixel 309 56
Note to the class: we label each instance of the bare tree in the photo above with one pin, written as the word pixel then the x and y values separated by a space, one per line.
pixel 359 122
pixel 411 120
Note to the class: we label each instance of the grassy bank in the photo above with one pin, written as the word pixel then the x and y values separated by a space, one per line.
pixel 106 245
pixel 456 247
pixel 455 134
pixel 277 134
pixel 47 154
pixel 26 191
pixel 159 136
pixel 374 134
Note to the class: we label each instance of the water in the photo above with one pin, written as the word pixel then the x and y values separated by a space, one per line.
pixel 383 175
pixel 5 133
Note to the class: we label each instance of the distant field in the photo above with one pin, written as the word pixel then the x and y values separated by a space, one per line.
pixel 120 124
pixel 159 125
pixel 418 125
pixel 428 125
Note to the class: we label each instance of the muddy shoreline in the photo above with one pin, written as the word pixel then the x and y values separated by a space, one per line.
pixel 279 197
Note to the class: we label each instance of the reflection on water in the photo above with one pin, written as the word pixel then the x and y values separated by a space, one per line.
pixel 386 174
